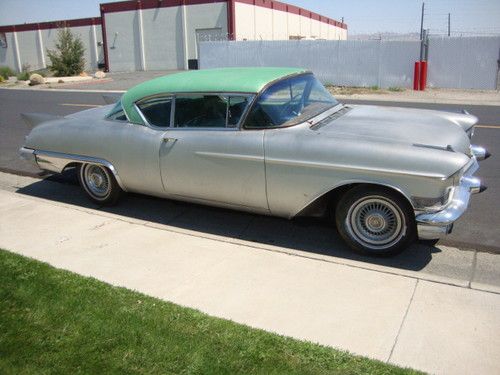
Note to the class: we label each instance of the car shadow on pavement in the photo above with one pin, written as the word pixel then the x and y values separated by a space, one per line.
pixel 309 235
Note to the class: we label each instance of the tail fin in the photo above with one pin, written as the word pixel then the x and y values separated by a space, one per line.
pixel 33 119
pixel 111 98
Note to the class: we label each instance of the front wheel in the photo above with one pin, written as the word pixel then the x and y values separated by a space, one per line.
pixel 99 184
pixel 375 221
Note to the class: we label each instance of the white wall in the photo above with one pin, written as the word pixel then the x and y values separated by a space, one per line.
pixel 122 34
pixel 34 53
pixel 260 23
pixel 7 55
pixel 165 44
pixel 205 17
pixel 163 39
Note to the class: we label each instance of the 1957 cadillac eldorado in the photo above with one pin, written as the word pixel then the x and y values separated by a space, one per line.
pixel 272 141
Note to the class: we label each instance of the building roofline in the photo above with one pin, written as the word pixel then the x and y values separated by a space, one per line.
pixel 284 7
pixel 123 6
pixel 51 25
pixel 128 5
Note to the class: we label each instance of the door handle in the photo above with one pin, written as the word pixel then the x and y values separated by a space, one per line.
pixel 168 139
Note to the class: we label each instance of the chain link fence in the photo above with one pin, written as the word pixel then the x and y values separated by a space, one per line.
pixel 453 62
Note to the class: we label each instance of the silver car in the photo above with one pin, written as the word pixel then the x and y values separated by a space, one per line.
pixel 272 141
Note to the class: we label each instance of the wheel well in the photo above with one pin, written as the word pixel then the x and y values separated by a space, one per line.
pixel 71 165
pixel 326 204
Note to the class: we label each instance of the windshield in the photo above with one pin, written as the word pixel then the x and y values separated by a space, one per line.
pixel 290 101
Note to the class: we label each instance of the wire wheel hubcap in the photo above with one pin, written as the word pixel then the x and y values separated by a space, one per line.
pixel 97 180
pixel 376 222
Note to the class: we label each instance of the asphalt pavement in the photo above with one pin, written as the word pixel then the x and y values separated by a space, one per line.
pixel 477 229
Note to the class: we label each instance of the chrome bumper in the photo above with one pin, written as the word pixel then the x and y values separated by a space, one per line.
pixel 434 225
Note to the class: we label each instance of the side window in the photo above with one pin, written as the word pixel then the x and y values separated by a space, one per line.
pixel 236 108
pixel 156 110
pixel 200 111
pixel 209 111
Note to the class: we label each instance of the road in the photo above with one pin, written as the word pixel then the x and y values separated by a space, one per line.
pixel 477 229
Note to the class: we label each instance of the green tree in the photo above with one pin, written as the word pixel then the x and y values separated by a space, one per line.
pixel 67 59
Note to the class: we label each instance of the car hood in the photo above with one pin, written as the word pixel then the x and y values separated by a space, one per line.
pixel 420 128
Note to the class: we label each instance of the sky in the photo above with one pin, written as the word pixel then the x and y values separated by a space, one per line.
pixel 480 17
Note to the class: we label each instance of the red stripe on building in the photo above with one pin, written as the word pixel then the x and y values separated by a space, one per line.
pixel 51 25
pixel 123 6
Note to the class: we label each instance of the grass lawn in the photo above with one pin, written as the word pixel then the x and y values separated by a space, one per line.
pixel 54 321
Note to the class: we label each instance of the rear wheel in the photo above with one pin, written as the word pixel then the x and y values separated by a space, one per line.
pixel 99 184
pixel 375 221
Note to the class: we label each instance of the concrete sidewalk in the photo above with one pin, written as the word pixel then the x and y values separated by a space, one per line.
pixel 403 317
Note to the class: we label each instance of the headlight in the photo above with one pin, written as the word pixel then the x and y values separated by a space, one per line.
pixel 432 204
pixel 470 132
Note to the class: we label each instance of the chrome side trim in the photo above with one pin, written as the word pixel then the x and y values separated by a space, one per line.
pixel 308 164
pixel 57 161
pixel 351 182
pixel 219 155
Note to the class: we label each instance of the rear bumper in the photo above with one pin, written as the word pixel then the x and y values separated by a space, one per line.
pixel 435 225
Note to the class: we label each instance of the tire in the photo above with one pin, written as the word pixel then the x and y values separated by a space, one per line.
pixel 99 184
pixel 375 221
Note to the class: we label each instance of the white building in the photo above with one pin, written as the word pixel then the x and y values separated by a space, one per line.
pixel 27 44
pixel 164 34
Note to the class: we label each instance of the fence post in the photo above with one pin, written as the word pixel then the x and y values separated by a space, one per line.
pixel 416 76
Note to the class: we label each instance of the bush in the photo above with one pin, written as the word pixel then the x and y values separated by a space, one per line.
pixel 6 72
pixel 1 79
pixel 396 89
pixel 23 76
pixel 67 59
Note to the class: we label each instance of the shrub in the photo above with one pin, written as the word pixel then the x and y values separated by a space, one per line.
pixel 67 59
pixel 1 79
pixel 23 76
pixel 396 89
pixel 6 72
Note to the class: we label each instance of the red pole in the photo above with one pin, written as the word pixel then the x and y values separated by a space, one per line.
pixel 423 75
pixel 416 76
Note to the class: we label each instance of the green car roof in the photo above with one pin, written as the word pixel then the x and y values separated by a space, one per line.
pixel 247 80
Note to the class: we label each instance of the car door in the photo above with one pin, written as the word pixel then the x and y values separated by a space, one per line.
pixel 205 156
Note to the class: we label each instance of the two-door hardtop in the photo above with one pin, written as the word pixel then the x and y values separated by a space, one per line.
pixel 272 141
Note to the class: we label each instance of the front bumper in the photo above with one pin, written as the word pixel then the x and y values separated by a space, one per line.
pixel 435 225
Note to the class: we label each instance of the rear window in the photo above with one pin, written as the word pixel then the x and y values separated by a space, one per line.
pixel 117 113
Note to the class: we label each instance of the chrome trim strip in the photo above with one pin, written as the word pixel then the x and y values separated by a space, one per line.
pixel 308 164
pixel 229 156
pixel 57 161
